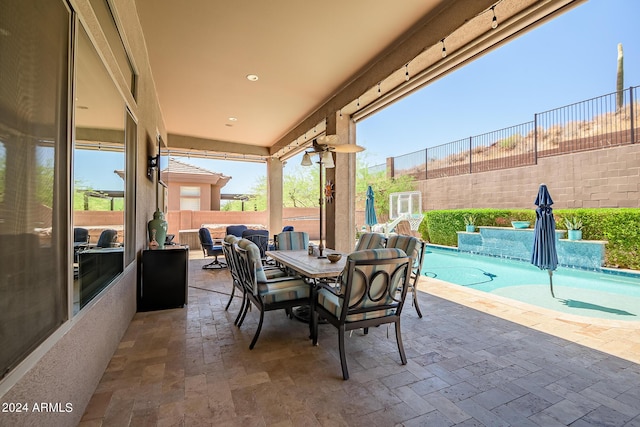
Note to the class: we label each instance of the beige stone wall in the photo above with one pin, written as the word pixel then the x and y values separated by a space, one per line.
pixel 606 178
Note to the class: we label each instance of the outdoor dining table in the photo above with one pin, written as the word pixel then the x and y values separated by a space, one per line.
pixel 309 266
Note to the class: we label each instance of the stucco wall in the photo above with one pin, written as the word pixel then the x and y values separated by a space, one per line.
pixel 591 179
pixel 70 371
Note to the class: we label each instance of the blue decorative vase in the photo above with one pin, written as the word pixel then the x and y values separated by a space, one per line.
pixel 157 229
pixel 575 234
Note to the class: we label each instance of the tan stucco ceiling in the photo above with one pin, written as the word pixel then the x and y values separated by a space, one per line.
pixel 311 58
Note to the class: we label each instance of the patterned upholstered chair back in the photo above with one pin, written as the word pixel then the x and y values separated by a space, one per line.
pixel 230 254
pixel 412 246
pixel 292 240
pixel 371 241
pixel 267 294
pixel 368 296
pixel 370 282
pixel 252 265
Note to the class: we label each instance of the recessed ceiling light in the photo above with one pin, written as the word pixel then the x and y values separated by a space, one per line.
pixel 228 125
pixel 252 77
pixel 233 119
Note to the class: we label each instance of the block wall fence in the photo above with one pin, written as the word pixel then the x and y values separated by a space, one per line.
pixel 606 178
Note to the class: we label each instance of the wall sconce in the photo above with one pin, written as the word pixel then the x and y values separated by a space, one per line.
pixel 152 164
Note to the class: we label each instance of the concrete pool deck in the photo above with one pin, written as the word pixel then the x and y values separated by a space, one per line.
pixel 616 337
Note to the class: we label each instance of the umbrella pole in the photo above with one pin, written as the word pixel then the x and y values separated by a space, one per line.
pixel 551 282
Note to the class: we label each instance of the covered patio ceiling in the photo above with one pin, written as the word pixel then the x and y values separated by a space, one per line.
pixel 311 59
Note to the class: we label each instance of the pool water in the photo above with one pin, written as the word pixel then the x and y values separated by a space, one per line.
pixel 584 293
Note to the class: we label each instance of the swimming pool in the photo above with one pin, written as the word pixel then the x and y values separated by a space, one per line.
pixel 584 293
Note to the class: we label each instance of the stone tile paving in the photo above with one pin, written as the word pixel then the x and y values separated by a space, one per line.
pixel 467 366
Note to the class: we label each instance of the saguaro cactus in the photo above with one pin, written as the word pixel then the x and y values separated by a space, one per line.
pixel 620 79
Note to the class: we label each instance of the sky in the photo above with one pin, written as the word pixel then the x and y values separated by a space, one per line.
pixel 569 59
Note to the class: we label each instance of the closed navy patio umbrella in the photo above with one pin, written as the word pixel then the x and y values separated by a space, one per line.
pixel 369 209
pixel 544 254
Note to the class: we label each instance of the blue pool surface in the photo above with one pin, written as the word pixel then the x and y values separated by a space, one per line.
pixel 584 293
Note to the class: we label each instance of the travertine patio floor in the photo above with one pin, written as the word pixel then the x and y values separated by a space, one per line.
pixel 473 360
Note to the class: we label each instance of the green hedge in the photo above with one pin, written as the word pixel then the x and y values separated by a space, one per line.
pixel 619 226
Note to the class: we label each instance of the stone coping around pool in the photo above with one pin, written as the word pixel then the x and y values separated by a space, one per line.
pixel 617 337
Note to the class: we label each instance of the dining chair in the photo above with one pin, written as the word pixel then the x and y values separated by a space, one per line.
pixel 236 230
pixel 80 241
pixel 367 295
pixel 292 240
pixel 414 248
pixel 260 238
pixel 80 235
pixel 267 294
pixel 232 263
pixel 108 239
pixel 210 249
pixel 371 241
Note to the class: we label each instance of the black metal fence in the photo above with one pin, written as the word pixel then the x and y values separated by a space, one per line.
pixel 587 125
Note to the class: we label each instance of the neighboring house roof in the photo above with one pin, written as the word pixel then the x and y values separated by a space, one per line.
pixel 181 171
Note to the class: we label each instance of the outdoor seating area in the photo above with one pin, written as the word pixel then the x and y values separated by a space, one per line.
pixel 192 366
pixel 366 288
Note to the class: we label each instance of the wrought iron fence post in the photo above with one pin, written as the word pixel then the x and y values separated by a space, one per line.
pixel 535 138
pixel 633 132
pixel 426 163
pixel 470 150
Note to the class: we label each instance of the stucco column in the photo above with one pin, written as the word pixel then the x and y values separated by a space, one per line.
pixel 274 195
pixel 215 198
pixel 341 223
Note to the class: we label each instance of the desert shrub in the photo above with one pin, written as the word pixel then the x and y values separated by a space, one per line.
pixel 479 150
pixel 510 143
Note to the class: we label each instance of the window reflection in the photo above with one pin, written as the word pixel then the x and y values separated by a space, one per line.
pixel 33 180
pixel 98 176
